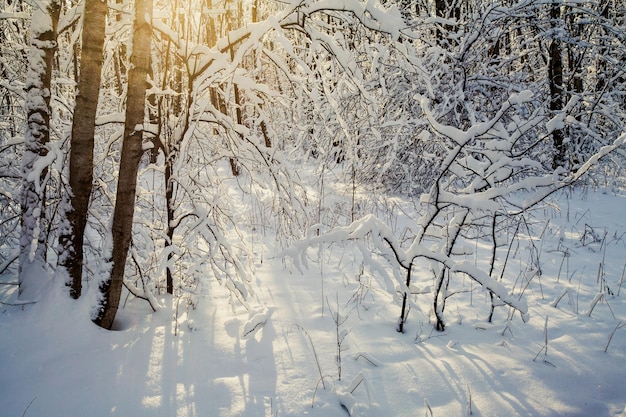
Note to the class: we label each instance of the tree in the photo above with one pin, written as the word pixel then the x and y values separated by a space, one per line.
pixel 555 82
pixel 38 87
pixel 71 237
pixel 110 287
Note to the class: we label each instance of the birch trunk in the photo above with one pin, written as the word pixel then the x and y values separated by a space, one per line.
pixel 32 260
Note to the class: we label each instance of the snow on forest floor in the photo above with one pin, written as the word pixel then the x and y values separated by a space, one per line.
pixel 280 358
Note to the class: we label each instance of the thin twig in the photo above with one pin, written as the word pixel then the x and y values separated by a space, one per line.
pixel 620 324
pixel 28 406
pixel 621 280
pixel 319 367
pixel 18 304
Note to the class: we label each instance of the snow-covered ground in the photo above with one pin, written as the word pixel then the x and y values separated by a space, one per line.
pixel 281 357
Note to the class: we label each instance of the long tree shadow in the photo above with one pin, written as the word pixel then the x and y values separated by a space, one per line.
pixel 262 371
pixel 162 369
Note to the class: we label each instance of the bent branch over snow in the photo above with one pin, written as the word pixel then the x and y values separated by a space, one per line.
pixel 381 235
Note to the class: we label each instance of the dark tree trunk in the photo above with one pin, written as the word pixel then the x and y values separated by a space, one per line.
pixel 233 162
pixel 111 287
pixel 169 200
pixel 555 80
pixel 601 67
pixel 82 144
pixel 266 136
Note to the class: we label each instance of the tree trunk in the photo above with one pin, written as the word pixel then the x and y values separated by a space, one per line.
pixel 601 67
pixel 111 287
pixel 32 259
pixel 82 145
pixel 233 162
pixel 574 55
pixel 555 80
pixel 171 228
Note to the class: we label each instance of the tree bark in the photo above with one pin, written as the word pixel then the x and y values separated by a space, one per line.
pixel 71 237
pixel 233 162
pixel 32 259
pixel 111 287
pixel 171 228
pixel 601 67
pixel 555 81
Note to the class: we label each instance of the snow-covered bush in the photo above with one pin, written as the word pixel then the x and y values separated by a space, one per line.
pixel 486 174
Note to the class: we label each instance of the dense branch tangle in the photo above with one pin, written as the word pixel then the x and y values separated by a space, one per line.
pixel 326 75
pixel 481 176
pixel 481 167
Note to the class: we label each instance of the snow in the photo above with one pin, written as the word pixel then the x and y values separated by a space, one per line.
pixel 309 327
pixel 280 357
pixel 14 15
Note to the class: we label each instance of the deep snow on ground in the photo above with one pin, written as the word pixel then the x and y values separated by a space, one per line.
pixel 280 358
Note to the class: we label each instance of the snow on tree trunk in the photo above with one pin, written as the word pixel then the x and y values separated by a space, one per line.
pixel 32 259
pixel 111 286
pixel 82 145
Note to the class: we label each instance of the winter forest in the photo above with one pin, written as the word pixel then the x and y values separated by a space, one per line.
pixel 242 208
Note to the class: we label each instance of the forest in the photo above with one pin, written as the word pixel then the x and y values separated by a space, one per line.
pixel 312 207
